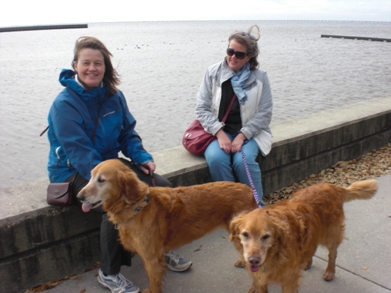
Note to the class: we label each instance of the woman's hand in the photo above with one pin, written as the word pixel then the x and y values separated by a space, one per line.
pixel 148 167
pixel 237 143
pixel 224 141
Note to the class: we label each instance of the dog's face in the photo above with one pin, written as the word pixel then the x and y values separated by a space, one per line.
pixel 110 181
pixel 257 234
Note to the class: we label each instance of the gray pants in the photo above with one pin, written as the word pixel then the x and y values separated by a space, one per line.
pixel 113 255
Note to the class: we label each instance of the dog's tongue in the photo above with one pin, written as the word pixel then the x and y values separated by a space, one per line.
pixel 254 268
pixel 86 207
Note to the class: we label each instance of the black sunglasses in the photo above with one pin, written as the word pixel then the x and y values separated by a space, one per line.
pixel 238 54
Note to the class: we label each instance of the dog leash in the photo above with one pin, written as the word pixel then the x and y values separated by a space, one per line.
pixel 255 193
pixel 153 182
pixel 150 174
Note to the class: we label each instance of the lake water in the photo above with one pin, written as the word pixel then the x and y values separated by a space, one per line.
pixel 162 64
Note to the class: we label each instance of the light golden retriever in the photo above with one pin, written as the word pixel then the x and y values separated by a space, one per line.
pixel 278 241
pixel 154 220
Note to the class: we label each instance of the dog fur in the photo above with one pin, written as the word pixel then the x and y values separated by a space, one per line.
pixel 171 218
pixel 278 241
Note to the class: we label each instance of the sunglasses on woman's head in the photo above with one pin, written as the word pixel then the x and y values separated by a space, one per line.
pixel 238 54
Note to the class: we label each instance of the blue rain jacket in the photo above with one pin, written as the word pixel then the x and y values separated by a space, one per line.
pixel 72 119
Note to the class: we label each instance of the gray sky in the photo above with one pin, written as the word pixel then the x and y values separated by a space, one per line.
pixel 41 12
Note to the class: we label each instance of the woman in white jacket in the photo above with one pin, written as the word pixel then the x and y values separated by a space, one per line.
pixel 247 126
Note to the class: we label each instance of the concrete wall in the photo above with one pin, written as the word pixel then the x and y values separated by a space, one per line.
pixel 40 243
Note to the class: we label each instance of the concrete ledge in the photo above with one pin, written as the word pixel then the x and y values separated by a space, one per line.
pixel 309 144
pixel 40 243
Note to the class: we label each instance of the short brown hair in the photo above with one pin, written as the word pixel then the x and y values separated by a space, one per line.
pixel 111 78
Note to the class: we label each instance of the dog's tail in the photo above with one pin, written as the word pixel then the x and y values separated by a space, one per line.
pixel 360 190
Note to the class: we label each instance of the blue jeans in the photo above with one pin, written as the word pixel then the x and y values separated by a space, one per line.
pixel 224 167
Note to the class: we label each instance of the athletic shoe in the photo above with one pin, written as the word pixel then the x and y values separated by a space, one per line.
pixel 176 262
pixel 117 283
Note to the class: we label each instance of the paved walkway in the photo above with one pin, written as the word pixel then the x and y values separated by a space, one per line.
pixel 363 263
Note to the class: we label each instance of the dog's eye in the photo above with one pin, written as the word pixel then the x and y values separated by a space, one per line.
pixel 266 237
pixel 245 235
pixel 100 180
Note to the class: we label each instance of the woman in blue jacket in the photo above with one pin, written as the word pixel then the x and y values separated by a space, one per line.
pixel 89 122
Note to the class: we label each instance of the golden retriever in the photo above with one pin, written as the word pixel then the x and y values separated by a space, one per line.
pixel 278 241
pixel 154 220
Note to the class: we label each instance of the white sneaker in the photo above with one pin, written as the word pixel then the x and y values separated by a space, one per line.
pixel 117 283
pixel 176 262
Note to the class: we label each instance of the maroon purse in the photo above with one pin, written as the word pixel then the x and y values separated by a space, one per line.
pixel 195 139
pixel 60 194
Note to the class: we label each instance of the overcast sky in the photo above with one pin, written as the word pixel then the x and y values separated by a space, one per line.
pixel 41 12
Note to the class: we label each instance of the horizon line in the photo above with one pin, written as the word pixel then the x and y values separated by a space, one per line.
pixel 194 20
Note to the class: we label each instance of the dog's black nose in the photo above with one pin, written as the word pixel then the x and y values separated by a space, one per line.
pixel 80 196
pixel 254 260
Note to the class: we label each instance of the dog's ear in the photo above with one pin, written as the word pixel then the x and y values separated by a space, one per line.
pixel 234 226
pixel 128 182
pixel 114 203
pixel 280 224
pixel 132 188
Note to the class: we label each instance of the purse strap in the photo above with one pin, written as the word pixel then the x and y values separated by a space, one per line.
pixel 229 108
pixel 95 125
pixel 96 122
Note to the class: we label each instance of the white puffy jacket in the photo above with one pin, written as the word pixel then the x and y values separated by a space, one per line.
pixel 256 111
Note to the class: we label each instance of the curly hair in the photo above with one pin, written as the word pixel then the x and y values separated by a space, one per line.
pixel 249 40
pixel 111 78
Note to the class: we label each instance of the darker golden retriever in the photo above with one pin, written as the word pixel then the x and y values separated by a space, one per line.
pixel 155 220
pixel 278 241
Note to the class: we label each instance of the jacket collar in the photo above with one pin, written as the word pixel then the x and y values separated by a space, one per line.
pixel 67 79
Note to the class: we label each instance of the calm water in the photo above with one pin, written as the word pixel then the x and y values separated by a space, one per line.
pixel 162 65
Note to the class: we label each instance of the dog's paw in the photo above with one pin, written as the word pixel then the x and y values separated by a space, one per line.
pixel 252 290
pixel 307 265
pixel 240 263
pixel 328 275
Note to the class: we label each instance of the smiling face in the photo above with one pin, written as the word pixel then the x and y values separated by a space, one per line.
pixel 233 62
pixel 90 67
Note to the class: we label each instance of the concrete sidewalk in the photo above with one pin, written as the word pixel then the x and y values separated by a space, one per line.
pixel 363 263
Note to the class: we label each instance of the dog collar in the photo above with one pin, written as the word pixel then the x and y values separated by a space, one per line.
pixel 140 207
pixel 137 209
